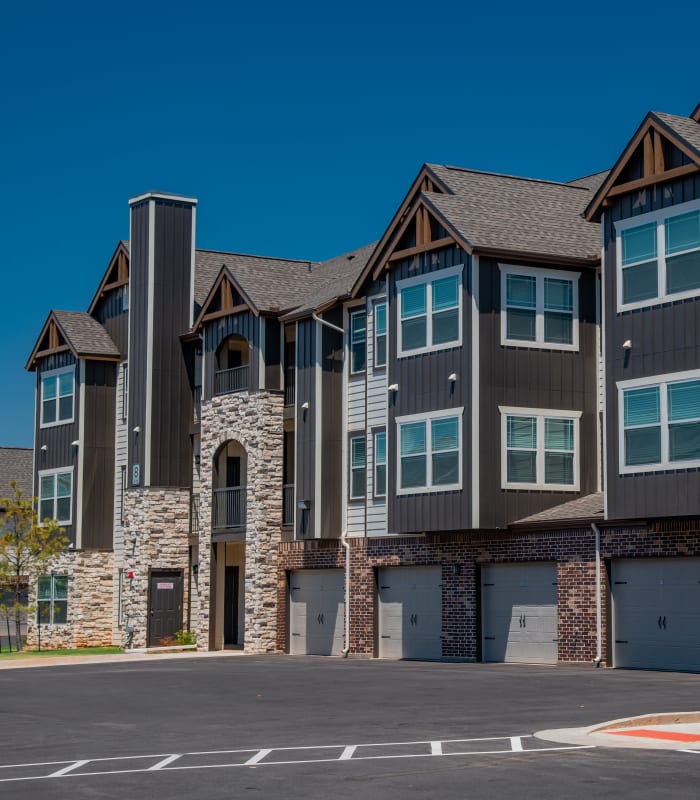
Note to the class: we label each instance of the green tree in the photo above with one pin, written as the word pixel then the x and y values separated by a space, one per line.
pixel 26 546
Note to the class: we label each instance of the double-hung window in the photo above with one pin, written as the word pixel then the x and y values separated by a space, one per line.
pixel 430 312
pixel 540 449
pixel 57 396
pixel 380 335
pixel 658 256
pixel 52 600
pixel 539 308
pixel 56 494
pixel 358 466
pixel 358 341
pixel 380 464
pixel 429 452
pixel 660 423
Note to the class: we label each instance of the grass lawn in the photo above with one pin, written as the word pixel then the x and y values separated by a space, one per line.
pixel 81 651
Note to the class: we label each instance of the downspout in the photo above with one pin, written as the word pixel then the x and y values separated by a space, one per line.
pixel 598 610
pixel 344 534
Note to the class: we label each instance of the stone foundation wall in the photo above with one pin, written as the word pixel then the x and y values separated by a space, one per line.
pixel 156 536
pixel 89 623
pixel 255 421
pixel 462 555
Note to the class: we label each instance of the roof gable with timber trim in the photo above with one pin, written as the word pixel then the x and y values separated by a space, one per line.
pixel 116 275
pixel 225 297
pixel 75 332
pixel 413 211
pixel 663 148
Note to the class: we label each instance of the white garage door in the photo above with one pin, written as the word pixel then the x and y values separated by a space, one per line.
pixel 316 612
pixel 410 612
pixel 656 613
pixel 519 613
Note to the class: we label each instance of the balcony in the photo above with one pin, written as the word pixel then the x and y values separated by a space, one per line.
pixel 194 515
pixel 228 508
pixel 228 381
pixel 288 504
pixel 290 376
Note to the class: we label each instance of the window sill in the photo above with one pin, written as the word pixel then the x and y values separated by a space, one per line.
pixel 541 487
pixel 650 469
pixel 419 351
pixel 448 487
pixel 529 345
pixel 44 425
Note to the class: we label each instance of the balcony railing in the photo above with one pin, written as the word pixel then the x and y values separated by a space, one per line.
pixel 197 405
pixel 227 381
pixel 290 377
pixel 194 514
pixel 288 504
pixel 229 508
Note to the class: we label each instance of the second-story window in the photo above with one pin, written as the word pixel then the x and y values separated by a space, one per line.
pixel 56 495
pixel 430 312
pixel 539 308
pixel 358 466
pixel 429 452
pixel 57 396
pixel 358 341
pixel 380 464
pixel 380 335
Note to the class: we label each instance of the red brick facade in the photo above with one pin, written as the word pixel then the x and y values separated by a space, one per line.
pixel 461 555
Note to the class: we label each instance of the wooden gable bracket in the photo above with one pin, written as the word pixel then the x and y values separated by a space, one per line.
pixel 232 299
pixel 51 341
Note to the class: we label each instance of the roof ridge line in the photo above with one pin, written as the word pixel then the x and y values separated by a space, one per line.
pixel 252 255
pixel 520 177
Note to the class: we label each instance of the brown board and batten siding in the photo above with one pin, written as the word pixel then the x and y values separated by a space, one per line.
pixel 114 317
pixel 524 377
pixel 57 439
pixel 423 387
pixel 665 339
pixel 98 454
pixel 331 426
pixel 306 428
pixel 244 324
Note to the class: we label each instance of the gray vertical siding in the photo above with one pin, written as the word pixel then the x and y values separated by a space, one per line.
pixel 98 454
pixel 273 356
pixel 332 426
pixel 306 426
pixel 244 324
pixel 110 312
pixel 59 452
pixel 423 387
pixel 532 378
pixel 665 338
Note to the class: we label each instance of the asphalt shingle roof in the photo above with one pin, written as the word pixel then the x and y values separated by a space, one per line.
pixel 15 465
pixel 590 507
pixel 85 335
pixel 520 215
pixel 684 127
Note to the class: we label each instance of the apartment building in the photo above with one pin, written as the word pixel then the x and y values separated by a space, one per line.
pixel 473 439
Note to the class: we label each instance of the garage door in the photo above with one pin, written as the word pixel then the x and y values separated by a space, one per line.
pixel 316 612
pixel 656 613
pixel 519 613
pixel 410 612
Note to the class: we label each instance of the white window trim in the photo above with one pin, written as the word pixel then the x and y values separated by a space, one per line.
pixel 375 464
pixel 428 417
pixel 53 599
pixel 541 414
pixel 659 217
pixel 428 278
pixel 50 374
pixel 662 382
pixel 354 313
pixel 57 471
pixel 375 305
pixel 362 437
pixel 539 274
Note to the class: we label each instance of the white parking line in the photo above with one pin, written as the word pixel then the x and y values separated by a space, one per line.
pixel 257 758
pixel 436 748
pixel 348 752
pixel 165 762
pixel 516 744
pixel 60 772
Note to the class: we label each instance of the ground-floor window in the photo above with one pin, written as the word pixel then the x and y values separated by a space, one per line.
pixel 52 600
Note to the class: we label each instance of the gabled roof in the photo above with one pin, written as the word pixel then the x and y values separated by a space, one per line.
pixel 581 510
pixel 78 332
pixel 682 132
pixel 116 274
pixel 16 464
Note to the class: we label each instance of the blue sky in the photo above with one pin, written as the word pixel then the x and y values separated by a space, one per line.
pixel 299 126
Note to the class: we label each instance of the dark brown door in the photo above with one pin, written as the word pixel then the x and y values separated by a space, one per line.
pixel 165 606
pixel 231 606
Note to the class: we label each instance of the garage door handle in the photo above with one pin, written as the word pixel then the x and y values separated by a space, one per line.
pixel 490 638
pixel 386 636
pixel 662 623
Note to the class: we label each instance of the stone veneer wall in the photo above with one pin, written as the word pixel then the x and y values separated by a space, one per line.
pixel 255 421
pixel 156 532
pixel 89 602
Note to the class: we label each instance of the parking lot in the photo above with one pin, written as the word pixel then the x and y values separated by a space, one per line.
pixel 313 727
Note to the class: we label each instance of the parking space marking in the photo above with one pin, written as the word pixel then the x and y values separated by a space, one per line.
pixel 279 756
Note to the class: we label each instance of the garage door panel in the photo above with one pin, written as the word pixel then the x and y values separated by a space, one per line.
pixel 316 613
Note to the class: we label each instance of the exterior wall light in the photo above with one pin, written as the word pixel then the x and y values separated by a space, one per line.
pixel 394 387
pixel 305 405
pixel 627 344
pixel 452 377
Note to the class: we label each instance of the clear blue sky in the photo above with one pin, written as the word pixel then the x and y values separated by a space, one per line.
pixel 299 126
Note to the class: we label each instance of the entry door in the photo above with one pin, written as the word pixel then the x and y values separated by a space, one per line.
pixel 410 612
pixel 165 605
pixel 656 613
pixel 519 619
pixel 316 612
pixel 231 606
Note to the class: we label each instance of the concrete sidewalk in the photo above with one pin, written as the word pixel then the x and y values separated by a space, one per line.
pixel 666 731
pixel 116 658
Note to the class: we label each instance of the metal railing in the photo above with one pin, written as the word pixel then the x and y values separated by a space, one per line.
pixel 194 514
pixel 227 381
pixel 197 405
pixel 290 377
pixel 228 508
pixel 288 504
